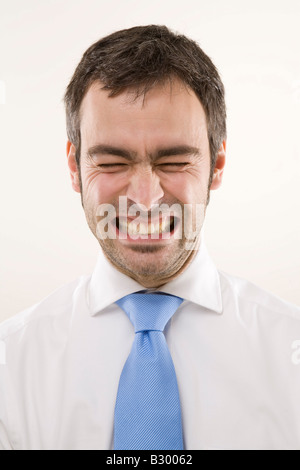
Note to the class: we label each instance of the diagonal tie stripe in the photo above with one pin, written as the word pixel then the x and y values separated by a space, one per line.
pixel 147 412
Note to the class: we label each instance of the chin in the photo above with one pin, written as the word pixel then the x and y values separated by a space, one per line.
pixel 151 265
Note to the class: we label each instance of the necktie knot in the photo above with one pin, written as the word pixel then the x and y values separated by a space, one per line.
pixel 149 311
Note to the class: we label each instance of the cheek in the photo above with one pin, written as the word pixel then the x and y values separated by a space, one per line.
pixel 101 188
pixel 187 189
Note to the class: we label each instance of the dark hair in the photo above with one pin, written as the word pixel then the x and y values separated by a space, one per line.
pixel 140 58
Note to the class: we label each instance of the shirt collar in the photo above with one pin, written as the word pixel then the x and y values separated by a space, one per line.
pixel 199 283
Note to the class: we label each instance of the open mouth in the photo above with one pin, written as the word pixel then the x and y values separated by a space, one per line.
pixel 151 230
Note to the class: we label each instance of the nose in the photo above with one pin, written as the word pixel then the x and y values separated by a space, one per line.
pixel 144 188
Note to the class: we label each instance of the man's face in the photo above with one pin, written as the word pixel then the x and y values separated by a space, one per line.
pixel 152 150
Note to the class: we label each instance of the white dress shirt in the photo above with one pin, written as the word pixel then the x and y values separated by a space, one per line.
pixel 236 351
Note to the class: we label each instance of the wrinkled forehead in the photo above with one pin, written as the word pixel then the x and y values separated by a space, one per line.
pixel 169 107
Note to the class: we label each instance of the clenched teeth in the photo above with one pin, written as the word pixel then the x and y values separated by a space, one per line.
pixel 133 228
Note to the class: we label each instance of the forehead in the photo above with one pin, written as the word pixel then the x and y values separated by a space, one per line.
pixel 168 109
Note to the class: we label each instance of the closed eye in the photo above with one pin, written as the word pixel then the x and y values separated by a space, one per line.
pixel 110 165
pixel 172 166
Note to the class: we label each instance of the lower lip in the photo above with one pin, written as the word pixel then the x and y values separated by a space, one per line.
pixel 165 237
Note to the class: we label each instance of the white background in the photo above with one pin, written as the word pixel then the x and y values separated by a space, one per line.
pixel 252 228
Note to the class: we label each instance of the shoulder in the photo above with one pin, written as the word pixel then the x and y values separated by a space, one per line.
pixel 252 299
pixel 58 304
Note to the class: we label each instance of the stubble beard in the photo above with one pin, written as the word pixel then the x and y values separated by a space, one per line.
pixel 151 265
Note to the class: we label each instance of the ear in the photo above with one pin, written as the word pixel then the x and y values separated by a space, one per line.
pixel 74 171
pixel 219 167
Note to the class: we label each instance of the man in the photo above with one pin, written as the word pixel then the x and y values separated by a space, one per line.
pixel 146 125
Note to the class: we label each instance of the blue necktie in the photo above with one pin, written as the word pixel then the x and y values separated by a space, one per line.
pixel 147 412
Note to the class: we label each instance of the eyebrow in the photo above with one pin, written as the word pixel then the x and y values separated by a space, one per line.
pixel 177 150
pixel 102 149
